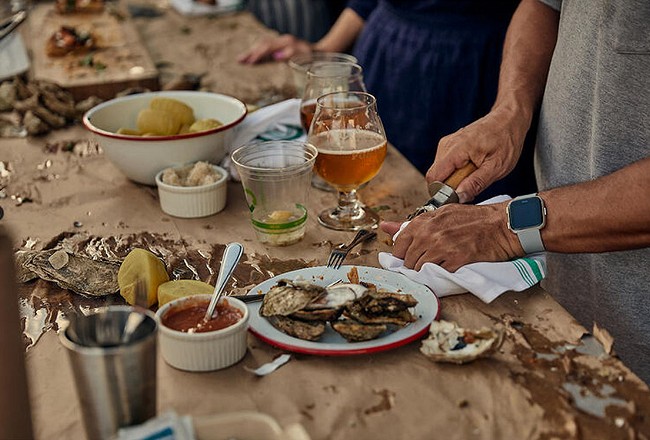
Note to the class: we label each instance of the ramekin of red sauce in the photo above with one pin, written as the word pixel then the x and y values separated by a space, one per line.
pixel 189 344
pixel 189 316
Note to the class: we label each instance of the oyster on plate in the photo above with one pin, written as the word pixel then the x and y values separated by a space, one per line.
pixel 447 342
pixel 355 331
pixel 308 330
pixel 288 297
pixel 382 307
pixel 302 309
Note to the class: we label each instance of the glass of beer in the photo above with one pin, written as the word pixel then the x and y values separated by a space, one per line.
pixel 351 145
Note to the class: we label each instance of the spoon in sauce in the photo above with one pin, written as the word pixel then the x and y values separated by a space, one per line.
pixel 231 256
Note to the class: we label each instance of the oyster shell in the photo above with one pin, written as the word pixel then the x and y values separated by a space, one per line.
pixel 447 342
pixel 288 297
pixel 79 274
pixel 383 301
pixel 330 314
pixel 338 295
pixel 301 309
pixel 355 331
pixel 357 312
pixel 309 330
pixel 382 307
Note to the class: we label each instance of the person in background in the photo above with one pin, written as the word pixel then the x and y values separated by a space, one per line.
pixel 433 66
pixel 306 19
pixel 590 67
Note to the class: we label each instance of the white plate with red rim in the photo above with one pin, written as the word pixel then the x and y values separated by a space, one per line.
pixel 333 344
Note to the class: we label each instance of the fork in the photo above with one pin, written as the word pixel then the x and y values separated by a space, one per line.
pixel 338 254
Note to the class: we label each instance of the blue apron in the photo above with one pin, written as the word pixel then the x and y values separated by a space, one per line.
pixel 433 74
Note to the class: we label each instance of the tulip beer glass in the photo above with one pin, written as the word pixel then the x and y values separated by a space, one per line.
pixel 351 145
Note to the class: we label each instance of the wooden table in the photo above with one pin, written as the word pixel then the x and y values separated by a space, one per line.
pixel 532 388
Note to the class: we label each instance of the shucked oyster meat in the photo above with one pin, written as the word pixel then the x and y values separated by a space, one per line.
pixel 447 342
pixel 301 309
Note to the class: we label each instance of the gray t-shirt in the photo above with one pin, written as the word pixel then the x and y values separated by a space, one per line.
pixel 595 119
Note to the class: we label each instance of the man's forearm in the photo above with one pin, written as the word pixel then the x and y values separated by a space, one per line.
pixel 343 33
pixel 527 53
pixel 607 214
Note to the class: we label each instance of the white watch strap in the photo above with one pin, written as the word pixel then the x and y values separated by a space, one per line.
pixel 531 240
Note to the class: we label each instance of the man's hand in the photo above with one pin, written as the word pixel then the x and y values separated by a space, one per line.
pixel 455 235
pixel 493 143
pixel 275 48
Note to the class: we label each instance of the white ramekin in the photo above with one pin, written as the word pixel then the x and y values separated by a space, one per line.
pixel 193 201
pixel 203 351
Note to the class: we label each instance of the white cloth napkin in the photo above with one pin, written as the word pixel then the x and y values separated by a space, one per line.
pixel 485 280
pixel 280 121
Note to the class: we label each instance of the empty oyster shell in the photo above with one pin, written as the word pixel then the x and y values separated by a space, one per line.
pixel 79 274
pixel 447 342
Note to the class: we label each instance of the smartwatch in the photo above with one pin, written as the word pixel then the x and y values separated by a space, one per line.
pixel 526 217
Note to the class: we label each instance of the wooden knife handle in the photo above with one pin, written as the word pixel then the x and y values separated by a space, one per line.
pixel 454 180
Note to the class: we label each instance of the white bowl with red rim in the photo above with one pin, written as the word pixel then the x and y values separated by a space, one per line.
pixel 207 351
pixel 140 158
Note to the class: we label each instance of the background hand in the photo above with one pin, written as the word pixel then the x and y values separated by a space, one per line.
pixel 275 48
pixel 493 143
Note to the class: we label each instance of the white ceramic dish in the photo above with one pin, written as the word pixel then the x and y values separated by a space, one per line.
pixel 193 201
pixel 141 158
pixel 207 351
pixel 333 344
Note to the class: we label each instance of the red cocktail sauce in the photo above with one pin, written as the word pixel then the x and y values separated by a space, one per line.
pixel 188 317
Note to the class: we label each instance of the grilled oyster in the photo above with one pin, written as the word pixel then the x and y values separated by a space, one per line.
pixel 447 342
pixel 318 314
pixel 355 331
pixel 301 309
pixel 309 330
pixel 338 295
pixel 288 297
pixel 383 301
pixel 302 300
pixel 382 307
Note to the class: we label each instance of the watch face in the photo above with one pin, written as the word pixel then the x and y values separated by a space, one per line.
pixel 525 213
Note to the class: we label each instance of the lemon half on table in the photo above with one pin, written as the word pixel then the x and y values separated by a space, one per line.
pixel 141 264
pixel 172 290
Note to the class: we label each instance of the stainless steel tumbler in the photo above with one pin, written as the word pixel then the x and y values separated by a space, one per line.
pixel 113 358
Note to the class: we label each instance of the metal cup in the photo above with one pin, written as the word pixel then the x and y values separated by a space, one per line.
pixel 114 366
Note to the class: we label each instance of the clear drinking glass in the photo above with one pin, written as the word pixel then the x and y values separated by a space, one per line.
pixel 275 176
pixel 301 63
pixel 326 77
pixel 351 145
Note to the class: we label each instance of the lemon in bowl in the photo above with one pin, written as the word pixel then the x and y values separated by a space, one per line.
pixel 135 131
